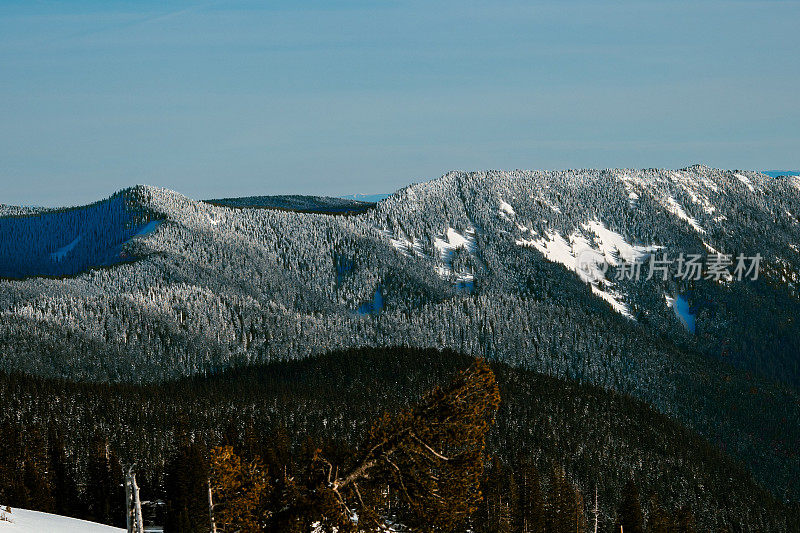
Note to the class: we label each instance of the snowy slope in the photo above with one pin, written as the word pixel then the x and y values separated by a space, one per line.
pixel 25 521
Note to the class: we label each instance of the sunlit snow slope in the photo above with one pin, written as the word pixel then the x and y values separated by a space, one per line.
pixel 25 521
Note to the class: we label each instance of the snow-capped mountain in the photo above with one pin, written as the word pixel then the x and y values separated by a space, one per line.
pixel 520 266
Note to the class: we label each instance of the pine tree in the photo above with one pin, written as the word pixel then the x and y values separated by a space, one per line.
pixel 629 515
pixel 685 521
pixel 432 455
pixel 65 488
pixel 530 503
pixel 500 496
pixel 105 491
pixel 186 490
pixel 238 488
pixel 658 521
pixel 12 483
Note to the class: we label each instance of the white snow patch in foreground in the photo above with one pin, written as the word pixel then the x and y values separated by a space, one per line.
pixel 676 209
pixel 35 522
pixel 744 179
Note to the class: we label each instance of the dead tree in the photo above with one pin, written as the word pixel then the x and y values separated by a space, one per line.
pixel 133 504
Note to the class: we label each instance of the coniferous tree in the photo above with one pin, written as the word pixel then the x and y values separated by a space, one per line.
pixel 186 490
pixel 105 491
pixel 685 521
pixel 238 489
pixel 658 521
pixel 12 484
pixel 629 515
pixel 530 503
pixel 432 454
pixel 66 497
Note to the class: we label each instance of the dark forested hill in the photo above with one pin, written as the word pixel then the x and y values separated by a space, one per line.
pixel 520 267
pixel 602 439
pixel 299 203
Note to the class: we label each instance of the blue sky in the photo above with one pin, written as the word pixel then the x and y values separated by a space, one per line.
pixel 240 98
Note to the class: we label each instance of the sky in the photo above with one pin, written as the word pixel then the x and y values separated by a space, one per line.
pixel 221 99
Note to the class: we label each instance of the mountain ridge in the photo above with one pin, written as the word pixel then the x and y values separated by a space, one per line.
pixel 484 263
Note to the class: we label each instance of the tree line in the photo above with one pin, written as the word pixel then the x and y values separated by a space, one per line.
pixel 294 424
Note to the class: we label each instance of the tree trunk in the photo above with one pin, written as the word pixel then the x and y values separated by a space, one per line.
pixel 128 498
pixel 211 509
pixel 137 505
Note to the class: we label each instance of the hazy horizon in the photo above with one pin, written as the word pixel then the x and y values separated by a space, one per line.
pixel 335 98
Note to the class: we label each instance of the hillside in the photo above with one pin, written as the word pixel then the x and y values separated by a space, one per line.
pixel 601 438
pixel 484 263
pixel 299 203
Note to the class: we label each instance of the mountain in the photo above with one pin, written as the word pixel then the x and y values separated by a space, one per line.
pixel 520 267
pixel 777 173
pixel 302 204
pixel 374 198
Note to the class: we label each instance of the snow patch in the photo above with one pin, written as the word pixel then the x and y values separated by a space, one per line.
pixel 35 522
pixel 613 244
pixel 455 240
pixel 62 252
pixel 744 179
pixel 590 260
pixel 676 209
pixel 506 208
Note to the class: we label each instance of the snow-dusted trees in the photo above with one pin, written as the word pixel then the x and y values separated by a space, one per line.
pixel 69 241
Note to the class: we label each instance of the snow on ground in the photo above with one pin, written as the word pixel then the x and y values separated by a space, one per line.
pixel 62 252
pixel 506 208
pixel 553 207
pixel 590 260
pixel 676 209
pixel 744 179
pixel 632 181
pixel 445 247
pixel 25 521
pixel 455 240
pixel 613 244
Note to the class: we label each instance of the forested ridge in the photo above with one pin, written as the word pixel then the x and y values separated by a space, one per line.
pixel 65 242
pixel 483 263
pixel 566 436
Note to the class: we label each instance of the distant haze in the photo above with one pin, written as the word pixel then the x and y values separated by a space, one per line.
pixel 222 99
